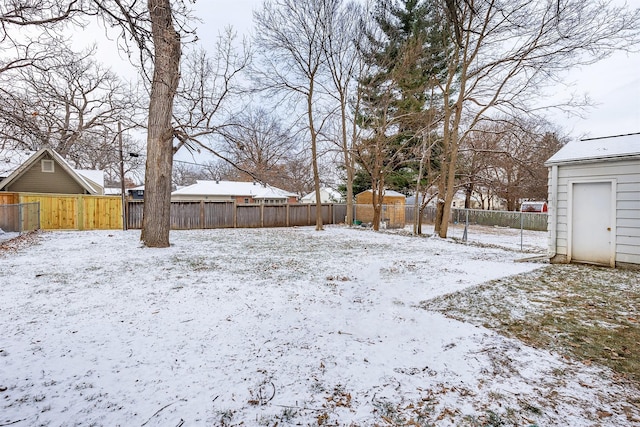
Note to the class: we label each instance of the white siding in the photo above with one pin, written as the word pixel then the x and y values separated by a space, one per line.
pixel 626 173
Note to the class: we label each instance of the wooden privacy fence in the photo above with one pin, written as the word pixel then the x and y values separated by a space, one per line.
pixel 73 211
pixel 187 215
pixel 19 217
pixel 9 198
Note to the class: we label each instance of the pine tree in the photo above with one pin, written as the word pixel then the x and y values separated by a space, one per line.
pixel 405 53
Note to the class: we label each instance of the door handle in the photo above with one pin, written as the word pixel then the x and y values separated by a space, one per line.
pixel 608 228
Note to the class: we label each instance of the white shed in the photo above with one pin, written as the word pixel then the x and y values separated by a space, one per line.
pixel 594 201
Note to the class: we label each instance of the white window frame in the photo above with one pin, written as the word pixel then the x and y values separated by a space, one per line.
pixel 47 166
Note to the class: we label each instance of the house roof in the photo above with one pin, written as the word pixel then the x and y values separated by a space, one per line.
pixel 17 162
pixel 234 188
pixel 330 192
pixel 606 148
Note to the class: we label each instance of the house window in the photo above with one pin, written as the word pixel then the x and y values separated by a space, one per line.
pixel 47 166
pixel 246 200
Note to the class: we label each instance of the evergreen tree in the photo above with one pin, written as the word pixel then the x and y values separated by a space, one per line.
pixel 405 55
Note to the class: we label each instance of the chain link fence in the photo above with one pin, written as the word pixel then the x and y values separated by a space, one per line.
pixel 509 219
pixel 524 231
pixel 20 218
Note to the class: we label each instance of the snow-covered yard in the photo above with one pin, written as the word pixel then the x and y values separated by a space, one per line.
pixel 270 326
pixel 4 235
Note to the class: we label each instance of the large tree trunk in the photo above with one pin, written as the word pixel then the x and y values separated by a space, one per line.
pixel 157 196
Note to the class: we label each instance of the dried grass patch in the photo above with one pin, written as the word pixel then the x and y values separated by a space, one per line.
pixel 583 312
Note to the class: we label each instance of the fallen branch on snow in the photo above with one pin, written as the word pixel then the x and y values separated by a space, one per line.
pixel 162 409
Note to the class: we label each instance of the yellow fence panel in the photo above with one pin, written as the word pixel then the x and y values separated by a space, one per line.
pixel 57 212
pixel 77 212
pixel 102 212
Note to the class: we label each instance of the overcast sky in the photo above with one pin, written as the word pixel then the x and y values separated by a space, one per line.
pixel 613 85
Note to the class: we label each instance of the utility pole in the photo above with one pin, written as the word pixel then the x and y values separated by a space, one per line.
pixel 122 189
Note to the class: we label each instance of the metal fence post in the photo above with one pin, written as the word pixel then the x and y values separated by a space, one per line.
pixel 466 225
pixel 521 229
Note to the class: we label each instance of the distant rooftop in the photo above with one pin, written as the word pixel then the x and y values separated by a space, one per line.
pixel 233 188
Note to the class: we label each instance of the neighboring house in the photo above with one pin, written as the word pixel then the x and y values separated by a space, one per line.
pixel 112 191
pixel 327 195
pixel 233 191
pixel 136 193
pixel 45 171
pixel 594 201
pixel 392 215
pixel 479 200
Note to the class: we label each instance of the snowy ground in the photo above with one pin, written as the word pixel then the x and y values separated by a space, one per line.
pixel 266 327
pixel 5 235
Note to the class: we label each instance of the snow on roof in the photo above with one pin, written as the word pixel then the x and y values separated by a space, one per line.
pixel 233 188
pixel 598 149
pixel 333 195
pixel 112 191
pixel 96 176
pixel 389 193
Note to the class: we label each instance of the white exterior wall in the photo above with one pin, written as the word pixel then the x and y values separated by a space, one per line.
pixel 199 197
pixel 626 175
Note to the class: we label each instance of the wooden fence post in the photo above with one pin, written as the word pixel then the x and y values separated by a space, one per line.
pixel 235 214
pixel 80 210
pixel 202 214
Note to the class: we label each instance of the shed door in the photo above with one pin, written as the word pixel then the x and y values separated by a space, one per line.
pixel 592 223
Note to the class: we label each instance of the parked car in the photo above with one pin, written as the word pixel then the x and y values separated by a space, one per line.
pixel 533 207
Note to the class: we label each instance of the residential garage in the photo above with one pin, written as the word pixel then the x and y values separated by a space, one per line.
pixel 594 202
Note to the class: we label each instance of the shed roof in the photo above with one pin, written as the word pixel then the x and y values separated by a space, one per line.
pixel 234 188
pixel 606 148
pixel 389 193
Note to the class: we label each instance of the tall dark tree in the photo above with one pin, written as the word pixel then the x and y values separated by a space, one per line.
pixel 404 51
pixel 166 75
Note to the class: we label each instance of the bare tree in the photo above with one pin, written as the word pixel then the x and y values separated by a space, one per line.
pixel 186 173
pixel 153 30
pixel 70 100
pixel 160 131
pixel 293 34
pixel 208 83
pixel 100 151
pixel 504 53
pixel 345 65
pixel 29 30
pixel 260 146
pixel 505 158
